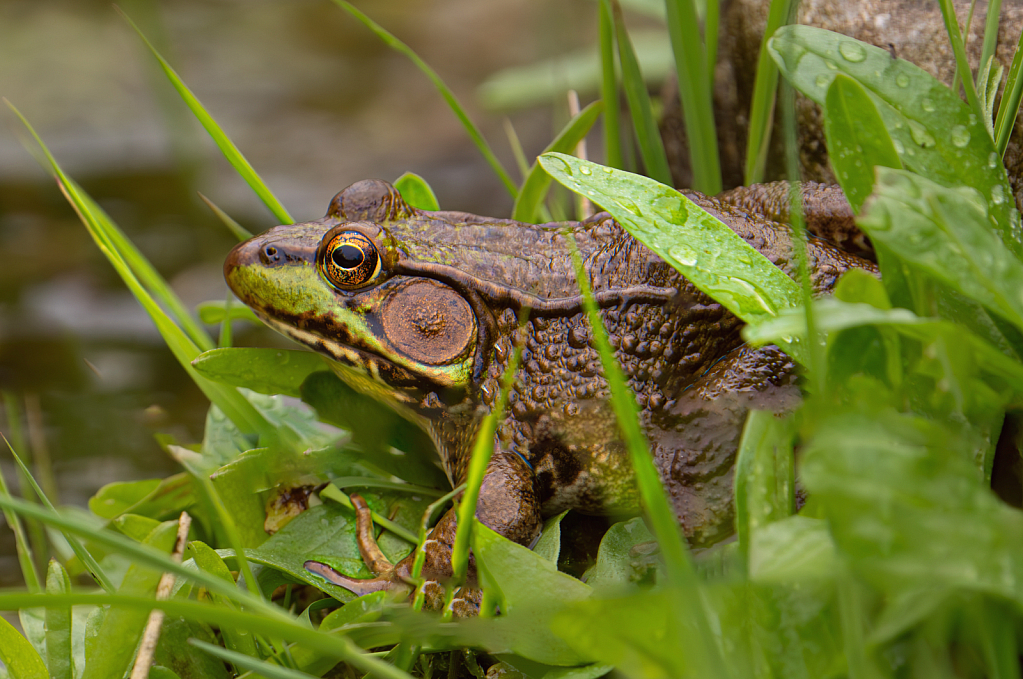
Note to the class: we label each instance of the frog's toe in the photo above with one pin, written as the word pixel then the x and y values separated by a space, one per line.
pixel 355 585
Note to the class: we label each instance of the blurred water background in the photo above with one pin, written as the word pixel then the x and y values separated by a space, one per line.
pixel 313 99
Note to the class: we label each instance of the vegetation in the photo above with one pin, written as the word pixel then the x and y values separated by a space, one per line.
pixel 901 561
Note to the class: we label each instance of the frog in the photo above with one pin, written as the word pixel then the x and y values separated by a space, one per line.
pixel 423 311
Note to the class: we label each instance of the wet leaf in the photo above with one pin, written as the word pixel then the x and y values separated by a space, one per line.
pixel 58 625
pixel 17 655
pixel 947 233
pixel 708 253
pixel 549 544
pixel 935 133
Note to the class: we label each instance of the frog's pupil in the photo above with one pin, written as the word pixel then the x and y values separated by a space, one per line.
pixel 347 256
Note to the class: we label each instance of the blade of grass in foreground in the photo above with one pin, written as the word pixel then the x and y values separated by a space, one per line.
pixel 239 231
pixel 83 554
pixel 226 146
pixel 694 93
pixel 445 91
pixel 261 668
pixel 534 188
pixel 682 578
pixel 649 136
pixel 962 63
pixel 25 557
pixel 482 451
pixel 277 625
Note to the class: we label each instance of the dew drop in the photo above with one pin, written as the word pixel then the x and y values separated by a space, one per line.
pixel 920 135
pixel 927 104
pixel 683 254
pixel 608 170
pixel 997 194
pixel 852 51
pixel 585 170
pixel 973 120
pixel 590 193
pixel 902 80
pixel 830 64
pixel 822 80
pixel 992 160
pixel 960 136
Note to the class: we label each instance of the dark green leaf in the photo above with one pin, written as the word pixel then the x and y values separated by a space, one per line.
pixel 617 564
pixel 764 474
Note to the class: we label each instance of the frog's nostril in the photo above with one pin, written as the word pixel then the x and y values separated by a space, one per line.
pixel 269 255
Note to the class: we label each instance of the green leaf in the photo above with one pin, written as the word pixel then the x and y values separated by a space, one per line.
pixel 134 526
pixel 645 125
pixel 795 549
pixel 934 132
pixel 764 474
pixel 58 625
pixel 208 560
pixel 226 146
pixel 115 498
pixel 530 590
pixel 948 234
pixel 1009 107
pixel 177 654
pixel 708 253
pixel 267 371
pixel 416 192
pixel 534 188
pixel 549 544
pixel 609 87
pixel 857 139
pixel 259 667
pixel 158 499
pixel 388 441
pixel 18 656
pixel 617 564
pixel 360 611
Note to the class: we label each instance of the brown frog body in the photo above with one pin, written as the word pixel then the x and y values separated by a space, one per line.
pixel 421 310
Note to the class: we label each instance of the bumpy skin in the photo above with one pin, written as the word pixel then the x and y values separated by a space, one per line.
pixel 434 332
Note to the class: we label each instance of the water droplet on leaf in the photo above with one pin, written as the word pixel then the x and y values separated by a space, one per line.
pixel 902 80
pixel 822 80
pixel 852 51
pixel 830 64
pixel 683 254
pixel 920 135
pixel 997 194
pixel 899 148
pixel 960 136
pixel 927 104
pixel 585 170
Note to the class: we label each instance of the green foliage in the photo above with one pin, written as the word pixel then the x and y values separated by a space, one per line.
pixel 889 557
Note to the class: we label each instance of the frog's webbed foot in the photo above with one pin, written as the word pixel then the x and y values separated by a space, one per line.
pixel 508 503
pixel 372 556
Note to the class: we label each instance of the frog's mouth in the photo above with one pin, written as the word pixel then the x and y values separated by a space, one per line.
pixel 372 366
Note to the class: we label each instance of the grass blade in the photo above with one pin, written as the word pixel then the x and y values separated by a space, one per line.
pixel 650 145
pixel 59 659
pixel 445 91
pixel 276 625
pixel 765 90
pixel 226 146
pixel 681 574
pixel 962 63
pixel 994 11
pixel 259 667
pixel 534 188
pixel 1011 95
pixel 609 88
pixel 694 93
pixel 482 451
pixel 711 25
pixel 239 231
pixel 83 554
pixel 25 557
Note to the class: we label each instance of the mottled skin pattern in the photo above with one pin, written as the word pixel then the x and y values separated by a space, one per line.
pixel 558 448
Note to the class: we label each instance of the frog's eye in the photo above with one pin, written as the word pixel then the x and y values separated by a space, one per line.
pixel 349 260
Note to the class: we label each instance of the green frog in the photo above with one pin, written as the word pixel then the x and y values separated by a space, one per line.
pixel 423 310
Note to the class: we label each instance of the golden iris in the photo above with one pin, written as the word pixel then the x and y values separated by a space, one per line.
pixel 349 260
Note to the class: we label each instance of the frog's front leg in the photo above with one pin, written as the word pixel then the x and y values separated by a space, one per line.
pixel 509 504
